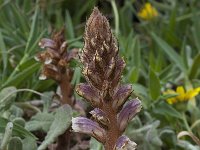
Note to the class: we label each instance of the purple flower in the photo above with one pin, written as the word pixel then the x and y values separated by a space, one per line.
pixel 87 126
pixel 89 93
pixel 99 116
pixel 128 112
pixel 124 143
pixel 121 96
pixel 47 43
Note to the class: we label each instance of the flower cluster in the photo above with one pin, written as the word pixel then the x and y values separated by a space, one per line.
pixel 148 12
pixel 56 61
pixel 181 94
pixel 102 69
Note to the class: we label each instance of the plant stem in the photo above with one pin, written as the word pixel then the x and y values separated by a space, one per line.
pixel 66 92
pixel 113 129
pixel 195 124
pixel 185 122
pixel 28 106
pixel 116 14
pixel 66 89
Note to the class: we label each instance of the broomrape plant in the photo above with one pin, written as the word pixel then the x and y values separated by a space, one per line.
pixel 56 61
pixel 102 69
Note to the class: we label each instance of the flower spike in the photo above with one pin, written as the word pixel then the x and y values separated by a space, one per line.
pixel 102 69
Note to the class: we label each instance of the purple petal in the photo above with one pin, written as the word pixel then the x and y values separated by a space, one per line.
pixel 124 143
pixel 128 112
pixel 87 126
pixel 47 43
pixel 89 93
pixel 63 47
pixel 100 116
pixel 71 54
pixel 121 96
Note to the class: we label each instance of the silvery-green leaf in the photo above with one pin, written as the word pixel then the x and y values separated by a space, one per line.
pixel 7 96
pixel 95 145
pixel 17 129
pixel 15 144
pixel 29 144
pixel 41 121
pixel 60 124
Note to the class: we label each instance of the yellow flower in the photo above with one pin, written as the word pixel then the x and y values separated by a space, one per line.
pixel 148 12
pixel 182 95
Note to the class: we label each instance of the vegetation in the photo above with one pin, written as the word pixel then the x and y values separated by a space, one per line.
pixel 158 41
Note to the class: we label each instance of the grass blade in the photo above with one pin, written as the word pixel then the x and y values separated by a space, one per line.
pixel 173 55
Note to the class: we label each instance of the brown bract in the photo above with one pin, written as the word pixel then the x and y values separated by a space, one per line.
pixel 55 57
pixel 102 64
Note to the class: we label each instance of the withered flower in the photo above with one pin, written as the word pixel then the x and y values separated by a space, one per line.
pixel 102 69
pixel 56 59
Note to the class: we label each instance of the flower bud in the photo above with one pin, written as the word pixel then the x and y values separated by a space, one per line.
pixel 89 93
pixel 99 116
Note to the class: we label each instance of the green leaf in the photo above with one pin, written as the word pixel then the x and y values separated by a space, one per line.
pixel 7 97
pixel 7 135
pixel 20 121
pixel 133 75
pixel 140 90
pixel 154 85
pixel 167 110
pixel 173 55
pixel 70 29
pixel 32 31
pixel 15 144
pixel 166 96
pixel 3 52
pixel 136 52
pixel 21 76
pixel 187 145
pixel 60 124
pixel 29 144
pixel 165 72
pixel 95 145
pixel 47 99
pixel 41 121
pixel 195 67
pixel 17 129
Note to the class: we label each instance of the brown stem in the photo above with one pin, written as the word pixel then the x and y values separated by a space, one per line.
pixel 66 89
pixel 64 141
pixel 66 93
pixel 113 132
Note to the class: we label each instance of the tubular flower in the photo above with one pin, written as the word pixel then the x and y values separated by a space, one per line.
pixel 148 12
pixel 102 69
pixel 124 143
pixel 182 95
